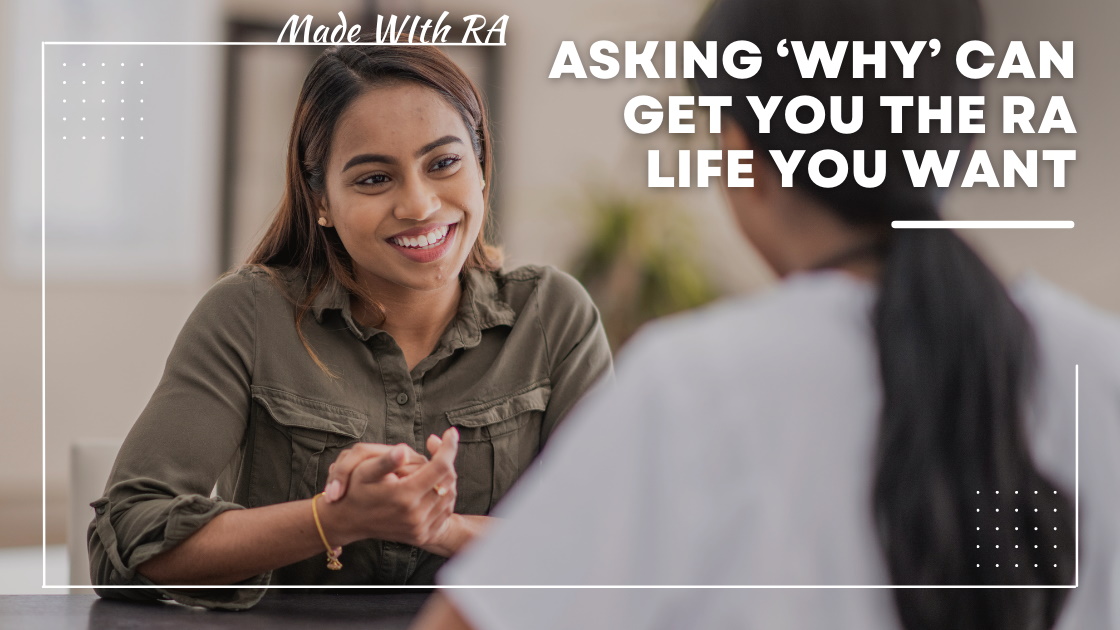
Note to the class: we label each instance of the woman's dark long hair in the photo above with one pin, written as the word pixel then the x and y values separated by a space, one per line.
pixel 956 355
pixel 340 75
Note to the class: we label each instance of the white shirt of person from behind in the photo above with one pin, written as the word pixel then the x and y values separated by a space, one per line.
pixel 736 448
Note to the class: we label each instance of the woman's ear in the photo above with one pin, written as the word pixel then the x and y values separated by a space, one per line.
pixel 324 212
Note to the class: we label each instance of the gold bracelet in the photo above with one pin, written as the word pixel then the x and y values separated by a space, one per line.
pixel 332 556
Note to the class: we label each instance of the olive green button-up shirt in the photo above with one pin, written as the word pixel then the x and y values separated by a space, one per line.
pixel 243 417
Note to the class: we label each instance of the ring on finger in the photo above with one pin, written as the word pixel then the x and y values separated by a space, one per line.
pixel 439 490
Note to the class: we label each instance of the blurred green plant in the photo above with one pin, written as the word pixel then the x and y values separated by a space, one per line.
pixel 640 263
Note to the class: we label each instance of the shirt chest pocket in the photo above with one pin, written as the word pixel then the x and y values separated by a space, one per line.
pixel 498 439
pixel 303 429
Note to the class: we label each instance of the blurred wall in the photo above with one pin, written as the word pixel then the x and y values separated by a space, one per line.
pixel 108 341
pixel 19 361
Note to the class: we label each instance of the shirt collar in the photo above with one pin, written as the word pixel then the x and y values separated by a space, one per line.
pixel 481 307
pixel 333 297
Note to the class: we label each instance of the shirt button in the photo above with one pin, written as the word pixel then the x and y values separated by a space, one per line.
pixel 402 398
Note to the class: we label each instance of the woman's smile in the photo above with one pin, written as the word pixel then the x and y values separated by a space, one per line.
pixel 424 244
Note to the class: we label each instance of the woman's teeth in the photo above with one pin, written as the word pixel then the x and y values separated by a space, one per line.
pixel 431 239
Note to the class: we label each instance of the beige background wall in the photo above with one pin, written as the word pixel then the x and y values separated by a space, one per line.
pixel 107 341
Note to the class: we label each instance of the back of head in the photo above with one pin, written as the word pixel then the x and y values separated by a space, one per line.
pixel 955 353
pixel 767 22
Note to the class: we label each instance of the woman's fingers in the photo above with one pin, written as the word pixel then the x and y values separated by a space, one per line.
pixel 433 443
pixel 440 470
pixel 338 477
pixel 401 501
pixel 435 482
pixel 407 469
pixel 372 470
pixel 407 497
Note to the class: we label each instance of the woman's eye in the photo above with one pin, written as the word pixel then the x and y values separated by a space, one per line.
pixel 445 163
pixel 373 180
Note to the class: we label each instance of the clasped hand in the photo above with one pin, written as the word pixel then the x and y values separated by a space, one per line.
pixel 394 493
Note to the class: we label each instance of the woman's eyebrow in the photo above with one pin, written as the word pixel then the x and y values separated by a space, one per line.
pixel 366 158
pixel 437 143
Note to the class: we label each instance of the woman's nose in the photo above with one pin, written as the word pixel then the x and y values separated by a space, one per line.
pixel 418 200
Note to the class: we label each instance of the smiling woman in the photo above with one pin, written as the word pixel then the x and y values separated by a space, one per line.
pixel 413 202
pixel 371 383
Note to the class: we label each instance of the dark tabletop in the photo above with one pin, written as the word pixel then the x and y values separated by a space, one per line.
pixel 376 611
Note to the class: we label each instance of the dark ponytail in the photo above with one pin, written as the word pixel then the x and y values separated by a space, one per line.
pixel 953 475
pixel 956 359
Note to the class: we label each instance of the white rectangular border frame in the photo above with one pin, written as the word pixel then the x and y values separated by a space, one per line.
pixel 43 244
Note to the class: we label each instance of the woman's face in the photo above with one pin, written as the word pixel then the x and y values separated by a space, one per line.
pixel 404 188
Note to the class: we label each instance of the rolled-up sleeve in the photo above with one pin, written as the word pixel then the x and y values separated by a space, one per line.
pixel 160 490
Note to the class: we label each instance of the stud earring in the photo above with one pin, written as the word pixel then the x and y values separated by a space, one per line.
pixel 323 221
pixel 483 182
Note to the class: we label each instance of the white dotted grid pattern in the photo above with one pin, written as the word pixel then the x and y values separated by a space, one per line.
pixel 990 532
pixel 92 93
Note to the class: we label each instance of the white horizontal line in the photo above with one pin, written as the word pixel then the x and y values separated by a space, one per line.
pixel 551 586
pixel 983 225
pixel 268 44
